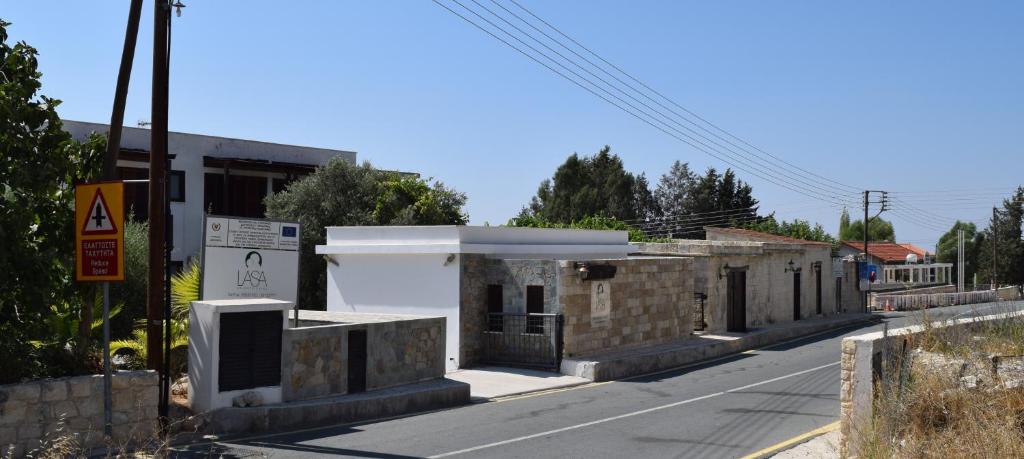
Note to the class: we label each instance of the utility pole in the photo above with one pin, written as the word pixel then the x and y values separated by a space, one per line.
pixel 995 237
pixel 124 76
pixel 157 188
pixel 867 220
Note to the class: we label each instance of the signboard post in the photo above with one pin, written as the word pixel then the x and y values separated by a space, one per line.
pixel 250 258
pixel 99 257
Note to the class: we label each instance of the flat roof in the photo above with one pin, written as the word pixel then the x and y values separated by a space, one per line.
pixel 494 240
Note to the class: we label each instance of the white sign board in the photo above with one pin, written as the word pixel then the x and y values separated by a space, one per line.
pixel 600 303
pixel 250 258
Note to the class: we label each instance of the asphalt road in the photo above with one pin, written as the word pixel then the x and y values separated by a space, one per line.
pixel 726 408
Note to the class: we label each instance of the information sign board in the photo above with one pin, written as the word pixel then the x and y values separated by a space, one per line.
pixel 250 258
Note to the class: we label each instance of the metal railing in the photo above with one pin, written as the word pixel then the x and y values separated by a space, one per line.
pixel 931 300
pixel 531 340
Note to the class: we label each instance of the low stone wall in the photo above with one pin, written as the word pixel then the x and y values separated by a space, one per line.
pixel 1009 293
pixel 400 350
pixel 862 366
pixel 651 302
pixel 35 413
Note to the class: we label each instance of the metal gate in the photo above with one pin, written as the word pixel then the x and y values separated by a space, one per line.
pixel 518 339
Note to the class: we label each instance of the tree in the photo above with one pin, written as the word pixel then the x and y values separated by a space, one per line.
pixel 797 229
pixel 588 186
pixel 39 165
pixel 947 249
pixel 597 222
pixel 344 194
pixel 1004 232
pixel 689 202
pixel 844 223
pixel 674 190
pixel 878 230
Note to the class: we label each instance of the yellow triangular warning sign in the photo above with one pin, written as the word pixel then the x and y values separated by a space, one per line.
pixel 98 220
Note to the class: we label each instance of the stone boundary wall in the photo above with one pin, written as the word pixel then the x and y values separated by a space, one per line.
pixel 861 366
pixel 400 350
pixel 651 303
pixel 32 413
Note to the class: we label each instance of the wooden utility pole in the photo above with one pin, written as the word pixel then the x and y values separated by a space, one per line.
pixel 124 76
pixel 157 189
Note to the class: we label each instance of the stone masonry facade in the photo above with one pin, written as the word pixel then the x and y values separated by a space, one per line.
pixel 400 350
pixel 35 413
pixel 651 303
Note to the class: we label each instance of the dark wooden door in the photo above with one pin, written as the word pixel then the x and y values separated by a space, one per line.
pixel 356 361
pixel 817 291
pixel 796 296
pixel 736 299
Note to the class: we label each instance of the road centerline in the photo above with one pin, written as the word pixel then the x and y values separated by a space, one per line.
pixel 628 415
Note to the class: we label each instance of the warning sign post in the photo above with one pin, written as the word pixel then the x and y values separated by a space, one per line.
pixel 99 232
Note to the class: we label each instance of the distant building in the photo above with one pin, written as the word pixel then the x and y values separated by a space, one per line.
pixel 899 263
pixel 219 175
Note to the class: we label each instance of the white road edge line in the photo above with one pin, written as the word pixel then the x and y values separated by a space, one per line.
pixel 626 415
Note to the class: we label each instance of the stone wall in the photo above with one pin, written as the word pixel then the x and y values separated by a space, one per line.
pixel 472 308
pixel 862 365
pixel 651 303
pixel 34 413
pixel 769 289
pixel 400 350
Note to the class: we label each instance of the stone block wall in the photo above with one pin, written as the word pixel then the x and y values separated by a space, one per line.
pixel 651 303
pixel 472 308
pixel 33 414
pixel 400 350
pixel 862 365
pixel 769 289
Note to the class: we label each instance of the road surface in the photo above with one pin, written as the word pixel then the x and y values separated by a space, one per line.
pixel 730 407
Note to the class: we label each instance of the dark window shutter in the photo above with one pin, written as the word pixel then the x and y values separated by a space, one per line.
pixel 250 350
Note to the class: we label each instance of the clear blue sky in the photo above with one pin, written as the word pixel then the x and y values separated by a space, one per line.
pixel 914 96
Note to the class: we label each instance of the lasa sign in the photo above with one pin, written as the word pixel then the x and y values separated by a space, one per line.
pixel 99 232
pixel 250 258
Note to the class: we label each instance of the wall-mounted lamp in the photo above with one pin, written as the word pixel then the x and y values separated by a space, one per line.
pixel 331 260
pixel 587 271
pixel 792 268
pixel 449 260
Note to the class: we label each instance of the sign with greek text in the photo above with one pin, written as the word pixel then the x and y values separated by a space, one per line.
pixel 250 258
pixel 99 232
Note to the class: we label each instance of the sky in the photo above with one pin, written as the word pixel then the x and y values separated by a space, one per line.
pixel 922 99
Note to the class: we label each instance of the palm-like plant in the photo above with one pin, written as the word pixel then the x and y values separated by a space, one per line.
pixel 184 290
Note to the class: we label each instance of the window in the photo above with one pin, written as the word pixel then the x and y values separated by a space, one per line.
pixel 234 195
pixel 495 306
pixel 177 179
pixel 534 305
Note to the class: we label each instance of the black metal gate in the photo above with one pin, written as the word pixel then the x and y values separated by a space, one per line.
pixel 529 340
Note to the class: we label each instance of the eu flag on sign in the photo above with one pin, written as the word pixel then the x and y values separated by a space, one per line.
pixel 287 231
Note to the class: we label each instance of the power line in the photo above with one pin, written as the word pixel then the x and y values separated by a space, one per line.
pixel 645 115
pixel 766 163
pixel 669 100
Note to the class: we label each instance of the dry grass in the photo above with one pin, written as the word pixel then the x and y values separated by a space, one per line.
pixel 921 413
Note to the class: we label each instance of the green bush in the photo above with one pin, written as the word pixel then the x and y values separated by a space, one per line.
pixel 344 194
pixel 593 222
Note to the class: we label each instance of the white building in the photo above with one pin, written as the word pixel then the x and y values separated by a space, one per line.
pixel 419 269
pixel 221 175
